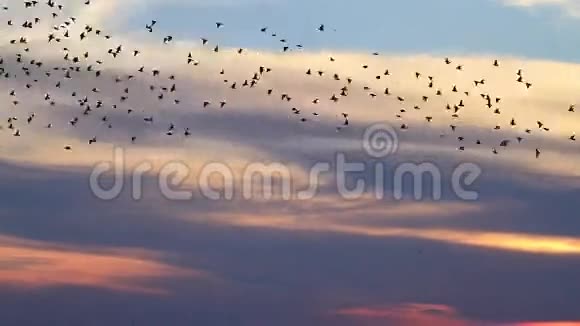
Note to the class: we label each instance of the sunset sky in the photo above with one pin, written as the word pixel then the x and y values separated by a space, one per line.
pixel 511 257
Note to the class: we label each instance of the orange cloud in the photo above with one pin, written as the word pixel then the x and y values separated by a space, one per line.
pixel 31 264
pixel 550 245
pixel 349 218
pixel 549 323
pixel 407 314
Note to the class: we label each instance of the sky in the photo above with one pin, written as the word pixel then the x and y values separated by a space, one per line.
pixel 508 257
pixel 543 29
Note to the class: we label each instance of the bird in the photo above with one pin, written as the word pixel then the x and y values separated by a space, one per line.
pixel 97 107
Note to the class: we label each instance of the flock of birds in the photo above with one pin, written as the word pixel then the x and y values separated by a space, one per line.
pixel 90 103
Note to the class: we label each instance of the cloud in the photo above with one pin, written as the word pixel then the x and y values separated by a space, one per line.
pixel 346 269
pixel 548 323
pixel 525 243
pixel 548 101
pixel 254 127
pixel 406 314
pixel 568 7
pixel 257 245
pixel 35 264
